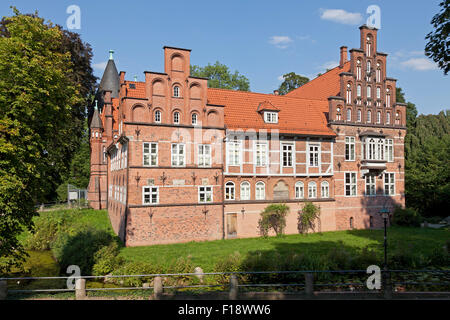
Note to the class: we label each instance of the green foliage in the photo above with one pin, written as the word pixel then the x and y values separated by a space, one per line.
pixel 273 217
pixel 307 217
pixel 219 76
pixel 46 229
pixel 291 81
pixel 107 259
pixel 407 217
pixel 438 45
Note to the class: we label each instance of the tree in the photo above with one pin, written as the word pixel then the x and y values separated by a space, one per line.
pixel 291 81
pixel 273 217
pixel 307 217
pixel 438 45
pixel 37 94
pixel 219 76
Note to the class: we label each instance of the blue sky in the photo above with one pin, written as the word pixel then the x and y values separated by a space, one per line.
pixel 261 39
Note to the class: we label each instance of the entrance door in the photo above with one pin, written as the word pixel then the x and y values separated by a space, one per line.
pixel 231 225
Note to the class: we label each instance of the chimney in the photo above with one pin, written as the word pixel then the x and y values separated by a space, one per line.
pixel 343 56
pixel 276 92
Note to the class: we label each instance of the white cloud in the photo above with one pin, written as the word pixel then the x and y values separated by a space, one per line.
pixel 100 65
pixel 281 42
pixel 280 78
pixel 329 65
pixel 419 64
pixel 341 16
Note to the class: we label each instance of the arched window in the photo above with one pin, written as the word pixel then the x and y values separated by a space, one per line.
pixel 358 90
pixel 378 75
pixel 397 118
pixel 369 116
pixel 158 116
pixel 369 46
pixel 349 94
pixel 176 91
pixel 245 190
pixel 359 115
pixel 299 191
pixel 388 118
pixel 388 98
pixel 312 190
pixel 229 191
pixel 325 189
pixel 378 117
pixel 194 118
pixel 349 114
pixel 369 91
pixel 378 93
pixel 358 70
pixel 351 223
pixel 260 193
pixel 370 222
pixel 338 113
pixel 176 117
pixel 369 66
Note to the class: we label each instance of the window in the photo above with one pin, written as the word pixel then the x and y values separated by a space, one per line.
pixel 150 195
pixel 176 91
pixel 349 94
pixel 150 154
pixel 350 184
pixel 351 222
pixel 338 113
pixel 358 90
pixel 261 154
pixel 369 91
pixel 369 116
pixel 312 190
pixel 325 189
pixel 378 75
pixel 234 155
pixel 314 155
pixel 358 70
pixel 260 193
pixel 388 98
pixel 194 118
pixel 176 117
pixel 369 66
pixel 287 155
pixel 378 92
pixel 374 149
pixel 370 185
pixel 388 118
pixel 378 117
pixel 370 222
pixel 245 190
pixel 299 191
pixel 158 116
pixel 229 191
pixel 389 184
pixel 359 115
pixel 349 114
pixel 389 150
pixel 204 155
pixel 178 156
pixel 271 117
pixel 397 118
pixel 350 148
pixel 205 194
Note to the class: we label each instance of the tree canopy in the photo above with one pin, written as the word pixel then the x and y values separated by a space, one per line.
pixel 220 76
pixel 41 121
pixel 291 81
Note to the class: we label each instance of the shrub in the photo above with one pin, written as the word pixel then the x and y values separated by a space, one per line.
pixel 106 259
pixel 273 217
pixel 407 217
pixel 307 217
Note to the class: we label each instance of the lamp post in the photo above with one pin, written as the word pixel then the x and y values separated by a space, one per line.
pixel 386 283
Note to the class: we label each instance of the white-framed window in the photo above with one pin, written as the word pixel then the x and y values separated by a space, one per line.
pixel 245 190
pixel 194 119
pixel 325 189
pixel 358 90
pixel 369 66
pixel 260 191
pixel 378 117
pixel 369 91
pixel 378 93
pixel 349 114
pixel 124 155
pixel 150 195
pixel 359 115
pixel 358 70
pixel 350 148
pixel 350 183
pixel 204 155
pixel 388 118
pixel 176 91
pixel 374 149
pixel 369 116
pixel 299 190
pixel 287 154
pixel 229 191
pixel 150 154
pixel 312 190
pixel 176 117
pixel 270 117
pixel 349 94
pixel 389 150
pixel 205 194
pixel 234 153
pixel 389 184
pixel 370 185
pixel 314 155
pixel 388 99
pixel 178 155
pixel 338 113
pixel 157 116
pixel 261 154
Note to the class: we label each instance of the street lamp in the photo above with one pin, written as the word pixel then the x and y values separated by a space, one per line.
pixel 386 283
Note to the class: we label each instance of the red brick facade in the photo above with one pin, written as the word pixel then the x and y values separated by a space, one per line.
pixel 174 161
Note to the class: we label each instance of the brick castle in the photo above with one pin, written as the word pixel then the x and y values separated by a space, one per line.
pixel 175 161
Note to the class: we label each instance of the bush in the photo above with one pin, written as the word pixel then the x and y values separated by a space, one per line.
pixel 407 217
pixel 106 259
pixel 307 217
pixel 273 217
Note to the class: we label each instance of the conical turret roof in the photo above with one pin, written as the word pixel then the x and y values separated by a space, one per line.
pixel 96 122
pixel 110 80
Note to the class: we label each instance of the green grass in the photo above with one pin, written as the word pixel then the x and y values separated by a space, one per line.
pixel 206 254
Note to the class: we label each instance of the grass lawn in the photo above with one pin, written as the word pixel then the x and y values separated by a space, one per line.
pixel 206 254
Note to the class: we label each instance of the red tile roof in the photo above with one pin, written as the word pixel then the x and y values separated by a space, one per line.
pixel 139 92
pixel 296 116
pixel 323 86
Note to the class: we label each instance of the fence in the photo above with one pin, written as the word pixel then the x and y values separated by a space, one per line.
pixel 234 289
